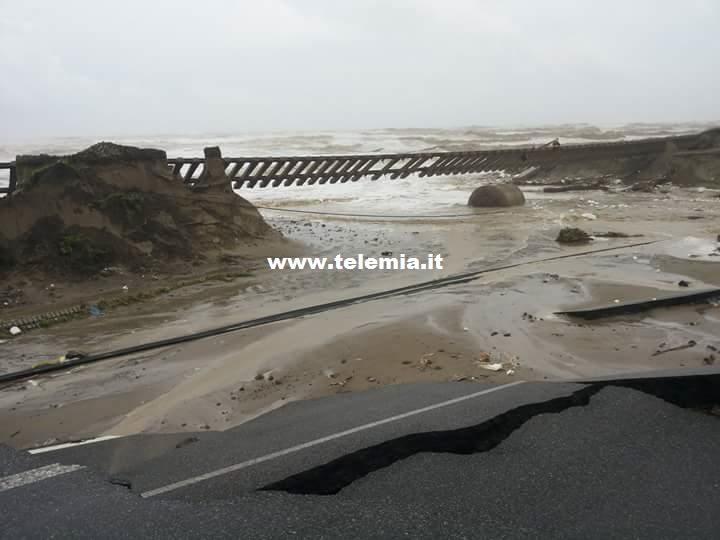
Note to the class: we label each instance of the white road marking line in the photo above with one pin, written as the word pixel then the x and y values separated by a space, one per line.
pixel 293 449
pixel 71 444
pixel 35 475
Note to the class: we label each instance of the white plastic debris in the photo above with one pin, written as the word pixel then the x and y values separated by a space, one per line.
pixel 14 331
pixel 616 301
pixel 588 215
pixel 32 382
pixel 466 329
pixel 125 287
pixel 491 367
pixel 510 372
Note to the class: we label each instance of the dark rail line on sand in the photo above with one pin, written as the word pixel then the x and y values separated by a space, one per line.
pixel 438 283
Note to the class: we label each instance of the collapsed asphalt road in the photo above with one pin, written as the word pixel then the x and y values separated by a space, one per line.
pixel 595 459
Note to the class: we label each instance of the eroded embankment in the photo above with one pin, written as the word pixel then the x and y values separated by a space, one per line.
pixel 117 205
pixel 681 161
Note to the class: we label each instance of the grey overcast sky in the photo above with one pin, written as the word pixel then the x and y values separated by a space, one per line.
pixel 95 67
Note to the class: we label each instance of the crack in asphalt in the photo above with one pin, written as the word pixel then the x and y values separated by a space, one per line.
pixel 330 478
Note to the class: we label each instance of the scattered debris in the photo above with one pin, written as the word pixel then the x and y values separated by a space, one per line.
pixel 613 234
pixel 122 482
pixel 426 359
pixel 683 283
pixel 14 331
pixel 110 271
pixel 187 441
pixel 574 187
pixel 343 382
pixel 491 367
pixel 688 345
pixel 647 186
pixel 709 360
pixel 572 235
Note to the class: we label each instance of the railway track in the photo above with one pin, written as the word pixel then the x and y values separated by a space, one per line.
pixel 274 171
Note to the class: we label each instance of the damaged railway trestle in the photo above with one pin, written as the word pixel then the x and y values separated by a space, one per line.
pixel 274 171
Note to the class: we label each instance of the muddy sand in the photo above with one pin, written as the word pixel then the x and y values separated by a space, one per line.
pixel 500 327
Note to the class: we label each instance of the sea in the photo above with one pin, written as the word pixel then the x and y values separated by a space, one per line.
pixel 410 196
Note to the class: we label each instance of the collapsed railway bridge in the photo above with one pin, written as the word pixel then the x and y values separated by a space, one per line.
pixel 274 171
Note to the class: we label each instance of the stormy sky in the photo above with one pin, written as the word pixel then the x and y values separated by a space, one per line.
pixel 100 67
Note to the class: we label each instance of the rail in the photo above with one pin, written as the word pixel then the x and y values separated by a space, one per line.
pixel 274 171
pixel 12 176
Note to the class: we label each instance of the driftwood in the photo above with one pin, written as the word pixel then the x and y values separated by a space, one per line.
pixel 575 187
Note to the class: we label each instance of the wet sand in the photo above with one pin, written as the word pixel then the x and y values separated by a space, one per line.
pixel 448 334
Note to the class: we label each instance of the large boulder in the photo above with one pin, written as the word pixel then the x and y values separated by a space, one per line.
pixel 572 235
pixel 497 195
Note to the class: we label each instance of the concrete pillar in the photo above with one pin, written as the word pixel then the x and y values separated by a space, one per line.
pixel 213 175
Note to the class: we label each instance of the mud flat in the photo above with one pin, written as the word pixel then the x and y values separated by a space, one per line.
pixel 500 327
